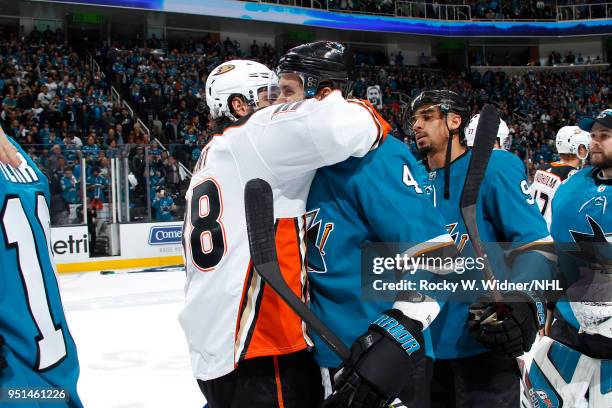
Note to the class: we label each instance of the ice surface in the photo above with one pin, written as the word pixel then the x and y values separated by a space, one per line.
pixel 132 351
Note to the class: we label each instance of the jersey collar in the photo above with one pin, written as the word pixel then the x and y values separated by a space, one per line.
pixel 598 180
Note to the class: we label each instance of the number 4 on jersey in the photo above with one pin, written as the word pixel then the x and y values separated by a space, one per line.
pixel 410 181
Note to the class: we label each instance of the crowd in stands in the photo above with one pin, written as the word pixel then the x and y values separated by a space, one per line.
pixel 479 9
pixel 55 106
pixel 61 112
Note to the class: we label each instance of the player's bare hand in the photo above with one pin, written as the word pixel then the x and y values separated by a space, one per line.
pixel 8 152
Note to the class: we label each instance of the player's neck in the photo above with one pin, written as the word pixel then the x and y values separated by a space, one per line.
pixel 437 160
pixel 570 161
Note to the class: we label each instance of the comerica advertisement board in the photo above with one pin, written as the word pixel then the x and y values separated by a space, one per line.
pixel 140 245
pixel 327 19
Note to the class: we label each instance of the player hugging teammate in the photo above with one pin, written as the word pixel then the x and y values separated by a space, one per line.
pixel 248 347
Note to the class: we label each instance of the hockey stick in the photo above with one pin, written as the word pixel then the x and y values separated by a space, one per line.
pixel 259 207
pixel 484 141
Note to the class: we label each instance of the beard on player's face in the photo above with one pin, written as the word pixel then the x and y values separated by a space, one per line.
pixel 601 146
pixel 602 161
pixel 425 150
pixel 428 144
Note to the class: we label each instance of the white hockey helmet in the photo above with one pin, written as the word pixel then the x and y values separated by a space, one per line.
pixel 242 77
pixel 569 138
pixel 503 133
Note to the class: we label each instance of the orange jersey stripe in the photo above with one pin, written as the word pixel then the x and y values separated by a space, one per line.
pixel 278 330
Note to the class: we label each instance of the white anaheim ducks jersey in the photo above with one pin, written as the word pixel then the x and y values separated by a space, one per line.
pixel 545 185
pixel 229 313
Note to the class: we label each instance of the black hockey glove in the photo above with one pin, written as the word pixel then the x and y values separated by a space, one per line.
pixel 515 333
pixel 3 363
pixel 380 363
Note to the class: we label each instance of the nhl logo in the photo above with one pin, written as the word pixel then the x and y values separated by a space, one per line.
pixel 601 189
pixel 432 176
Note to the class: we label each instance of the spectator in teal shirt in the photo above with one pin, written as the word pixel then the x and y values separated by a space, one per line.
pixel 70 187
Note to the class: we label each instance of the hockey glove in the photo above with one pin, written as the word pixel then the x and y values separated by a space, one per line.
pixel 515 333
pixel 380 361
pixel 3 363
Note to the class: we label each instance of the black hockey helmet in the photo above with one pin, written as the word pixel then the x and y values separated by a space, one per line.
pixel 315 63
pixel 447 101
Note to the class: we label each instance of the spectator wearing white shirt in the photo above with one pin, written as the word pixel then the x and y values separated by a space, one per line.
pixel 44 97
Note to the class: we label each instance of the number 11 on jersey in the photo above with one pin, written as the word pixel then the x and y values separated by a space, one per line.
pixel 20 236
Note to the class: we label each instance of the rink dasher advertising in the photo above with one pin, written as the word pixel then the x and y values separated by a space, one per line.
pixel 70 244
pixel 151 239
pixel 141 245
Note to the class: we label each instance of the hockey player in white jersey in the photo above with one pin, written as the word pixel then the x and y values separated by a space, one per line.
pixel 572 365
pixel 248 348
pixel 573 148
pixel 504 140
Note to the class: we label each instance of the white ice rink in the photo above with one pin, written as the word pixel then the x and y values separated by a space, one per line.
pixel 132 350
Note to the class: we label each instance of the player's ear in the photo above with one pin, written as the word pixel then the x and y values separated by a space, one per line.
pixel 239 106
pixel 323 93
pixel 453 121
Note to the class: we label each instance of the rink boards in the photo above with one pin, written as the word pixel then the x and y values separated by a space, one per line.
pixel 141 245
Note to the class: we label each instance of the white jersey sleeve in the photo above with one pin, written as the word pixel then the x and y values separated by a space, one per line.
pixel 295 138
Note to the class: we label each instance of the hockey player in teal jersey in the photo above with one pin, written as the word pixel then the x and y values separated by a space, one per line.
pixel 375 198
pixel 39 352
pixel 474 364
pixel 363 200
pixel 572 365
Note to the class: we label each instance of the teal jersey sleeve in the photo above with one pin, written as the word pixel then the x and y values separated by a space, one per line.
pixel 39 348
pixel 514 215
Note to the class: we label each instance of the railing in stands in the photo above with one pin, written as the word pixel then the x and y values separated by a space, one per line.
pixel 144 127
pixel 514 69
pixel 584 11
pixel 434 11
pixel 95 67
pixel 115 96
pixel 298 3
pixel 461 12
pixel 125 105
pixel 181 165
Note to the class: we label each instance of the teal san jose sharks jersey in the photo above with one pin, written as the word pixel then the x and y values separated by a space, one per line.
pixel 359 201
pixel 582 221
pixel 39 349
pixel 506 213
